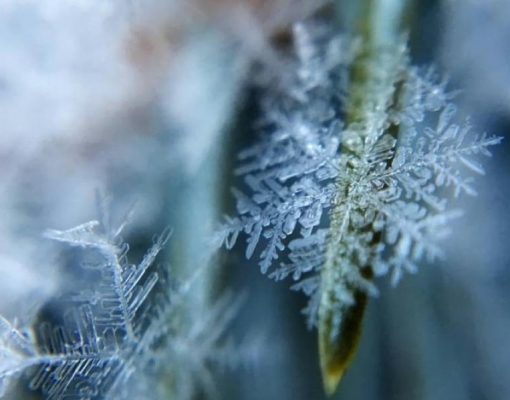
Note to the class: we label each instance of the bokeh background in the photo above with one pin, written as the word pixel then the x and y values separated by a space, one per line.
pixel 151 100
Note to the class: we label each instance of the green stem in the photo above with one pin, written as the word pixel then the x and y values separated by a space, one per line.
pixel 377 79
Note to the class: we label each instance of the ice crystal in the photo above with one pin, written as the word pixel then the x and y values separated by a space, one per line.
pixel 377 178
pixel 123 333
pixel 289 176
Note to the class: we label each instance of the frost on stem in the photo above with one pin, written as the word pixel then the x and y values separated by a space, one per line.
pixel 370 188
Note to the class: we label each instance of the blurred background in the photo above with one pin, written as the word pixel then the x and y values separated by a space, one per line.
pixel 151 100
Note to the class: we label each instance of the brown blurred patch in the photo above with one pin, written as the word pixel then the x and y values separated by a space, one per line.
pixel 153 43
pixel 146 47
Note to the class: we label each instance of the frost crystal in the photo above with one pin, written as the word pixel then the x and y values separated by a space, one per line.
pixel 290 174
pixel 376 179
pixel 119 335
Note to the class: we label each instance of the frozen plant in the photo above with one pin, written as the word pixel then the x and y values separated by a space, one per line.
pixel 350 178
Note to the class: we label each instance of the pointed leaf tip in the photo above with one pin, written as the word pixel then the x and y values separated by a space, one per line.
pixel 331 380
pixel 337 351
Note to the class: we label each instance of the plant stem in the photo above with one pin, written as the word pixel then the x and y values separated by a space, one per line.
pixel 376 86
